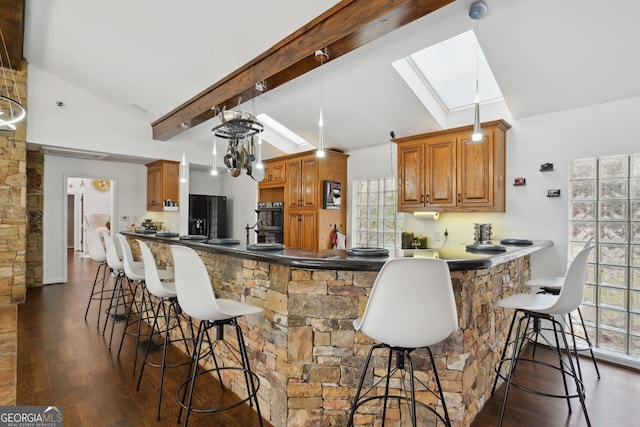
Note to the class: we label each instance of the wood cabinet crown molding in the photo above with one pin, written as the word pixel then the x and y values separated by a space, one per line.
pixel 445 171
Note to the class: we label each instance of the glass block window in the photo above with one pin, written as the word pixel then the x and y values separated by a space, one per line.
pixel 605 204
pixel 378 222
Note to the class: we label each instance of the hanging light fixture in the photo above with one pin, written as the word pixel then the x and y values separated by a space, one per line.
pixel 321 55
pixel 259 164
pixel 214 152
pixel 11 110
pixel 477 10
pixel 183 175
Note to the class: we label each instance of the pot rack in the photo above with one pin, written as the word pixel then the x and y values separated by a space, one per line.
pixel 236 125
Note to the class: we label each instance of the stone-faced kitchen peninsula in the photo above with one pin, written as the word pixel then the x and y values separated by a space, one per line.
pixel 304 347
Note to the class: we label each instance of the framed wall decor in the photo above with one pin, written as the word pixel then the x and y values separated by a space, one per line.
pixel 331 195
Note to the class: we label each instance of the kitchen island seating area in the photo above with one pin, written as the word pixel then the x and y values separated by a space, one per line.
pixel 305 349
pixel 530 312
pixel 404 314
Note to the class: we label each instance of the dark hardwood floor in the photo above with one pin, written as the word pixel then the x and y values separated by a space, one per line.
pixel 64 361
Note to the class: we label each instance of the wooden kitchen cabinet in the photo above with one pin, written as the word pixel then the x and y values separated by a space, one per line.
pixel 302 182
pixel 274 173
pixel 162 183
pixel 446 171
pixel 307 225
pixel 301 230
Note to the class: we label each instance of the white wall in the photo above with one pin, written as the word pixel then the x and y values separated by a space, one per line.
pixel 129 186
pixel 558 138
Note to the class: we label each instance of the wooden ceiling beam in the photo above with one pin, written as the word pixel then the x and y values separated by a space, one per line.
pixel 12 26
pixel 342 29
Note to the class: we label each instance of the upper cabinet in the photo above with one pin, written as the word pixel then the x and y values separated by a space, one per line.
pixel 162 183
pixel 274 173
pixel 302 182
pixel 446 171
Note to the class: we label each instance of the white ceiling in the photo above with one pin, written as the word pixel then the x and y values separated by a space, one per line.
pixel 547 56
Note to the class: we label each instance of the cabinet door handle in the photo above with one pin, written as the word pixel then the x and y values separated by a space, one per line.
pixel 427 199
pixel 458 197
pixel 422 199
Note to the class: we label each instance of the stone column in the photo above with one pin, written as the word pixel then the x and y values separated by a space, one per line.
pixel 13 201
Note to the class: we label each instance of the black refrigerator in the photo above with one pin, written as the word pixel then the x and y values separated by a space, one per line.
pixel 208 215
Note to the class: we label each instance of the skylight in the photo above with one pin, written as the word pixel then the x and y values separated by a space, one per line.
pixel 281 137
pixel 448 70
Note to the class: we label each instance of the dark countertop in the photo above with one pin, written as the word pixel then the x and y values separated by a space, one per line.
pixel 456 256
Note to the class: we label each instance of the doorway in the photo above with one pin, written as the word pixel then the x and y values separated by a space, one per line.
pixel 89 207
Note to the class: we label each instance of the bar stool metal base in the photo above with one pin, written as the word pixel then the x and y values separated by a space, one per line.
pixel 100 294
pixel 402 358
pixel 584 338
pixel 144 312
pixel 121 297
pixel 527 331
pixel 251 379
pixel 171 316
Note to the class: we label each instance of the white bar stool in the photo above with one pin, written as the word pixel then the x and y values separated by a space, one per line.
pixel 134 273
pixel 196 297
pixel 553 285
pixel 166 301
pixel 533 308
pixel 411 306
pixel 120 294
pixel 98 254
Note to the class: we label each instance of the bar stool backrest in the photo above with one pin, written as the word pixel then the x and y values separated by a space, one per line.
pixel 411 304
pixel 193 286
pixel 132 272
pixel 95 246
pixel 113 260
pixel 151 276
pixel 570 295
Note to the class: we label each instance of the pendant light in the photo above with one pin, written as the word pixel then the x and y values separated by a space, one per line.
pixel 11 110
pixel 321 55
pixel 183 175
pixel 214 152
pixel 261 86
pixel 477 10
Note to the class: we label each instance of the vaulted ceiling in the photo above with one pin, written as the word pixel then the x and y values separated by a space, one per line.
pixel 148 57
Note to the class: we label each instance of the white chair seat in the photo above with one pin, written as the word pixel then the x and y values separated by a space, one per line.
pixel 540 303
pixel 233 308
pixel 546 282
pixel 166 275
